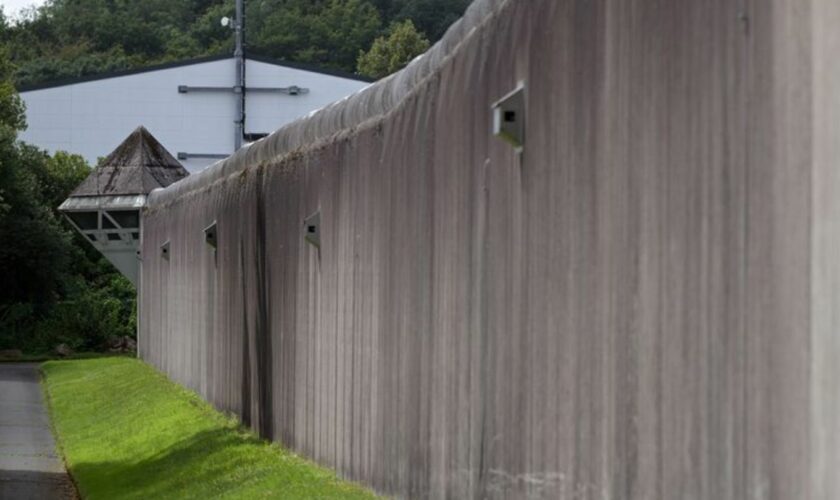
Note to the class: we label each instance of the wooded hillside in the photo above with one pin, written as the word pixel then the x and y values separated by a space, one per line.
pixel 69 38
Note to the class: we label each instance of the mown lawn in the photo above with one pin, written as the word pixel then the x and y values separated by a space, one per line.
pixel 128 432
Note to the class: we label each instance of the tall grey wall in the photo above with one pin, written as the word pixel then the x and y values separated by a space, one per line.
pixel 641 305
pixel 825 247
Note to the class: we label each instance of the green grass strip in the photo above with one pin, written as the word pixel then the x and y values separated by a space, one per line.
pixel 126 431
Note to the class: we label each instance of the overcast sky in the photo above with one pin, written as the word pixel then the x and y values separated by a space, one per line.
pixel 11 7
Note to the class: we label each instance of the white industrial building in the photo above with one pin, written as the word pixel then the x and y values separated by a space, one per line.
pixel 190 106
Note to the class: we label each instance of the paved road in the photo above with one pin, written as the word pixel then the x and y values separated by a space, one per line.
pixel 29 467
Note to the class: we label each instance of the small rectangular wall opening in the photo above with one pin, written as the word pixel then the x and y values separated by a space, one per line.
pixel 509 118
pixel 312 229
pixel 210 235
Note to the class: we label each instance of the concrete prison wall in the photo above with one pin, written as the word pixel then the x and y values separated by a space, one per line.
pixel 642 304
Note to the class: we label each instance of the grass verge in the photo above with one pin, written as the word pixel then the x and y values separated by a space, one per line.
pixel 126 431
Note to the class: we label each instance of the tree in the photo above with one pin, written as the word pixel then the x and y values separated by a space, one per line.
pixel 327 33
pixel 66 38
pixel 69 38
pixel 56 288
pixel 12 118
pixel 36 251
pixel 432 17
pixel 392 53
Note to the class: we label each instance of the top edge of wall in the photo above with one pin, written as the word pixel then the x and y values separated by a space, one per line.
pixel 369 103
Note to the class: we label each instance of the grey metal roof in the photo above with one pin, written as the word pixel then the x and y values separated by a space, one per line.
pixel 138 165
pixel 88 203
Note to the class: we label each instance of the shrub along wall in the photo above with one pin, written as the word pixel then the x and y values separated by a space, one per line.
pixel 637 306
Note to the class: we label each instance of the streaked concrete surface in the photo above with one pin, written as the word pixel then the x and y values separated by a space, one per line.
pixel 644 304
pixel 29 466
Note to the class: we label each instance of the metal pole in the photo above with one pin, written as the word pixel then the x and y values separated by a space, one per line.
pixel 239 88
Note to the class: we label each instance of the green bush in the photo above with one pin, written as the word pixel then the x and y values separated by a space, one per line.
pixel 16 323
pixel 56 288
pixel 392 53
pixel 86 320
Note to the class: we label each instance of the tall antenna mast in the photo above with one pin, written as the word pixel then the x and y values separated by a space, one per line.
pixel 239 88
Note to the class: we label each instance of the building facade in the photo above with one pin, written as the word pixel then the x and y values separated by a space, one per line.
pixel 189 106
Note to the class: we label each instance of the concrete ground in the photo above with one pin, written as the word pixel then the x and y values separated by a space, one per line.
pixel 29 466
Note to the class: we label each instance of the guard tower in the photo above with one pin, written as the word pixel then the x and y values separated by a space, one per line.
pixel 107 206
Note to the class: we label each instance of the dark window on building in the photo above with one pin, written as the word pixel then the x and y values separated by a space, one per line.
pixel 85 220
pixel 126 218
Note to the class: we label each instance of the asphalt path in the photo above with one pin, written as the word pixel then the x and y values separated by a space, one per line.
pixel 29 465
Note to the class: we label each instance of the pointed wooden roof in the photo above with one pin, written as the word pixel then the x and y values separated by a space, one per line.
pixel 138 165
